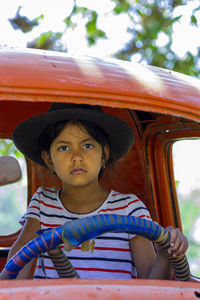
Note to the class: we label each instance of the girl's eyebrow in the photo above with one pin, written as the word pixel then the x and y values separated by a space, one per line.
pixel 88 139
pixel 62 142
pixel 83 141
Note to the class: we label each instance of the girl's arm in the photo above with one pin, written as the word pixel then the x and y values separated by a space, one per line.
pixel 153 265
pixel 28 233
pixel 148 264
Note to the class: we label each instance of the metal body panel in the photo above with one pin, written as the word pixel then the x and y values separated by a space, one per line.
pixel 50 76
pixel 98 289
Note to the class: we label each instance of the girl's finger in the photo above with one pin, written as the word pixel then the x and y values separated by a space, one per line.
pixel 173 235
pixel 179 243
pixel 182 247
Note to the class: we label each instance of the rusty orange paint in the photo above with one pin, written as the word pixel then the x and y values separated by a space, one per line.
pixel 43 76
pixel 56 289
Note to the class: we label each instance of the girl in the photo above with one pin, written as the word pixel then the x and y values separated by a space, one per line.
pixel 77 142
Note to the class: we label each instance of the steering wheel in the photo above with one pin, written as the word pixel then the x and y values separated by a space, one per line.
pixel 76 232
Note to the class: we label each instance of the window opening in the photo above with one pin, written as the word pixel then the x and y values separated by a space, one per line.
pixel 13 197
pixel 186 161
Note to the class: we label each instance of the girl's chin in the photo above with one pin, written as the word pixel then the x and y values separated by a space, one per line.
pixel 80 183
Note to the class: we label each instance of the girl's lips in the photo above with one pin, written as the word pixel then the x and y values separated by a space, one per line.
pixel 78 171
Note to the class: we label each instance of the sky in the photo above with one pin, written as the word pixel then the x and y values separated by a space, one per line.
pixel 185 38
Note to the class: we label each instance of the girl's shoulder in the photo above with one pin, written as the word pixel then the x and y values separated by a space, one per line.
pixel 114 195
pixel 127 204
pixel 47 192
pixel 117 201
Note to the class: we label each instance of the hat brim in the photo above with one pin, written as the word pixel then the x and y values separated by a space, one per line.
pixel 26 134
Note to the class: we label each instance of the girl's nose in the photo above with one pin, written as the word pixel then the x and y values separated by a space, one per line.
pixel 77 157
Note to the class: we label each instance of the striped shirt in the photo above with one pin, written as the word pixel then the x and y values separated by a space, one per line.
pixel 111 257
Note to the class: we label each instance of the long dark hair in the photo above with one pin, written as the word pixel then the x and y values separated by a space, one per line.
pixel 54 129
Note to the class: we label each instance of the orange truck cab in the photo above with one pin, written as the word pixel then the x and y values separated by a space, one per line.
pixel 160 105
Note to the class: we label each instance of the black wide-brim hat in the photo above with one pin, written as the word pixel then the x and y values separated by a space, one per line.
pixel 27 133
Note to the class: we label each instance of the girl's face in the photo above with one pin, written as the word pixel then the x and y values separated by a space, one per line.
pixel 75 156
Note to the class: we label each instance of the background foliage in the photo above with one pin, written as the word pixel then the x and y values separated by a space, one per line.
pixel 149 19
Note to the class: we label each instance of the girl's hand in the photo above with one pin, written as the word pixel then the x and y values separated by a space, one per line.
pixel 178 242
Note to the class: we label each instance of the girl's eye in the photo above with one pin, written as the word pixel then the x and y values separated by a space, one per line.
pixel 88 146
pixel 63 148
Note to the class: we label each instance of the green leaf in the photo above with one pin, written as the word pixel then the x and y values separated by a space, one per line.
pixel 92 31
pixel 91 27
pixel 38 19
pixel 176 19
pixel 83 10
pixel 176 183
pixel 68 21
pixel 193 20
pixel 48 40
pixel 139 12
pixel 23 23
pixel 121 6
pixel 196 9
